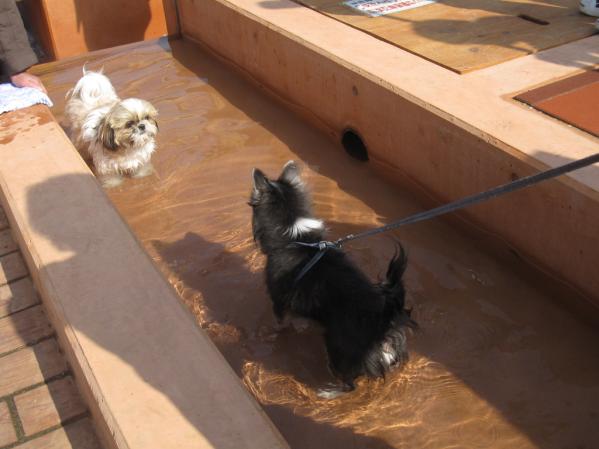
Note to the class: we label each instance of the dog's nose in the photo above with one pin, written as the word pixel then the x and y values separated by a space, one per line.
pixel 141 127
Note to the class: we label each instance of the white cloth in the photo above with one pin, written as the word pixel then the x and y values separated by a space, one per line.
pixel 13 98
pixel 589 7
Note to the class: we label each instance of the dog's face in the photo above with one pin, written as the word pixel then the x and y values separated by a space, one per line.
pixel 130 123
pixel 281 208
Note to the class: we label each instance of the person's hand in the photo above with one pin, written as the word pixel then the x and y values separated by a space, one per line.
pixel 25 79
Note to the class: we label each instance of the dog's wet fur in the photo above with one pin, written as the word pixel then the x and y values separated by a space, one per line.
pixel 364 323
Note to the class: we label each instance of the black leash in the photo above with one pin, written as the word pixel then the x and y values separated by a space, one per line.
pixel 527 181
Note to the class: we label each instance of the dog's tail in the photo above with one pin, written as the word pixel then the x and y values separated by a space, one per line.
pixel 392 349
pixel 393 288
pixel 93 90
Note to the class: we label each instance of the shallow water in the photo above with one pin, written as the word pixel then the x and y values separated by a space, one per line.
pixel 498 362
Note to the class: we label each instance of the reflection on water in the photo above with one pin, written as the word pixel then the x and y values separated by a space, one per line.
pixel 497 363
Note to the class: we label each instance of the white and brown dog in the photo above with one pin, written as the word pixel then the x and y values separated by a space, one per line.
pixel 118 135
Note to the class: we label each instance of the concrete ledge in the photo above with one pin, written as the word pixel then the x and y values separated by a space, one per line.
pixel 450 135
pixel 150 376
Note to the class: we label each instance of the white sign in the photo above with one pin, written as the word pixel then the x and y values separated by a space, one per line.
pixel 375 8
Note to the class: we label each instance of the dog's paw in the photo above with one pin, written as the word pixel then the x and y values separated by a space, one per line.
pixel 109 181
pixel 282 324
pixel 331 391
pixel 145 170
pixel 267 333
pixel 300 324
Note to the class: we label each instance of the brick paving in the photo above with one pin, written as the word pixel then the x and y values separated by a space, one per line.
pixel 40 407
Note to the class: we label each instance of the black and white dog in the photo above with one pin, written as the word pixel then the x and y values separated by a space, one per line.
pixel 364 323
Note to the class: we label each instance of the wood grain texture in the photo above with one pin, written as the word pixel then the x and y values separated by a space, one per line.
pixel 465 35
pixel 72 27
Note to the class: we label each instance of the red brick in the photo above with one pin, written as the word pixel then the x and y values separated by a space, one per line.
pixel 7 430
pixel 49 405
pixel 78 435
pixel 23 328
pixel 30 366
pixel 16 296
pixel 12 267
pixel 7 243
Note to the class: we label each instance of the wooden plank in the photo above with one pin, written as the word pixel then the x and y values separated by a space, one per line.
pixel 465 35
pixel 68 28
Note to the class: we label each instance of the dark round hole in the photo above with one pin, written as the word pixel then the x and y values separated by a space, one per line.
pixel 354 146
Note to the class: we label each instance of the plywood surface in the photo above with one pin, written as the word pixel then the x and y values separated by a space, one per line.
pixel 72 27
pixel 465 35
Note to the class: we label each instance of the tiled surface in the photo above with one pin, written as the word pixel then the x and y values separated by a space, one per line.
pixel 573 100
pixel 23 328
pixel 8 434
pixel 16 296
pixel 12 267
pixel 40 406
pixel 30 366
pixel 78 435
pixel 49 405
pixel 7 243
pixel 3 220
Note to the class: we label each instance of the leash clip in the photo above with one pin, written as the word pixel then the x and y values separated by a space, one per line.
pixel 322 247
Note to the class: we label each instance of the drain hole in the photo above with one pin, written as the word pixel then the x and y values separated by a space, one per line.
pixel 354 146
pixel 533 19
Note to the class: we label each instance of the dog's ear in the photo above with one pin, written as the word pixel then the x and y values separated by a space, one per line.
pixel 291 173
pixel 261 183
pixel 152 113
pixel 106 134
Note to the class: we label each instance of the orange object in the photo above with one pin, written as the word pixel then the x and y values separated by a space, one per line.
pixel 72 27
pixel 573 100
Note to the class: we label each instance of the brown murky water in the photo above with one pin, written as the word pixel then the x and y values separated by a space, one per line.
pixel 498 361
